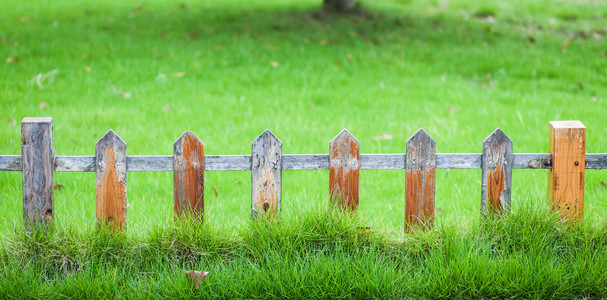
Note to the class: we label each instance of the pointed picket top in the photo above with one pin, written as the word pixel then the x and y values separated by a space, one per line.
pixel 188 176
pixel 421 136
pixel 420 163
pixel 112 141
pixel 419 145
pixel 497 137
pixel 496 165
pixel 111 137
pixel 266 175
pixel 343 135
pixel 344 169
pixel 187 135
pixel 267 134
pixel 110 162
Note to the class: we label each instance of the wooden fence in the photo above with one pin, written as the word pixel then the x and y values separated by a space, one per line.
pixel 566 163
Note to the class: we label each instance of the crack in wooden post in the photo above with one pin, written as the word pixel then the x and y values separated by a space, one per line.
pixel 266 175
pixel 420 181
pixel 38 163
pixel 567 143
pixel 188 176
pixel 110 159
pixel 496 165
pixel 344 165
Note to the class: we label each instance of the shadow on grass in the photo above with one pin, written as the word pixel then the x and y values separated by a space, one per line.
pixel 229 22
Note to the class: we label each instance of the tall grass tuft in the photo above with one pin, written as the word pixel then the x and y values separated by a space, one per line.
pixel 317 253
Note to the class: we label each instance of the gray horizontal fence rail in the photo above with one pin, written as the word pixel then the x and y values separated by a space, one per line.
pixel 302 162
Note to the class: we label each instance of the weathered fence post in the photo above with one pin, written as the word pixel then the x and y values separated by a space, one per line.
pixel 420 186
pixel 344 165
pixel 38 163
pixel 496 165
pixel 566 178
pixel 110 163
pixel 188 176
pixel 266 175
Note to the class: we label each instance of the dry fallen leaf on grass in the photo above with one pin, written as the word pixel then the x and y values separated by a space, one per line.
pixel 88 69
pixel 123 94
pixel 382 137
pixel 12 59
pixel 179 74
pixel 196 277
pixel 43 105
pixel 274 64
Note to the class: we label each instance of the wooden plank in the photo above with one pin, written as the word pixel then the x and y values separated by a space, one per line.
pixel 110 157
pixel 38 165
pixel 382 161
pixel 305 162
pixel 188 176
pixel 420 185
pixel 396 161
pixel 566 178
pixel 458 161
pixel 266 175
pixel 139 163
pixel 344 170
pixel 532 161
pixel 10 163
pixel 496 182
pixel 227 162
pixel 596 161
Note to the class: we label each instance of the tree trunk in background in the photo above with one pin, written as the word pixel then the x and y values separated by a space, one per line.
pixel 342 6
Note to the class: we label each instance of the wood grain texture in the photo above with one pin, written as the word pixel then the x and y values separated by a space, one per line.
pixel 566 178
pixel 38 165
pixel 188 176
pixel 344 170
pixel 420 181
pixel 396 161
pixel 266 175
pixel 110 157
pixel 496 182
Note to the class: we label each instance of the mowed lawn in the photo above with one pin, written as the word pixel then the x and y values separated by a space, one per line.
pixel 227 70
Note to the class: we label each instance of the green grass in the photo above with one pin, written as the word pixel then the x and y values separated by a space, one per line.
pixel 227 70
pixel 437 65
pixel 315 254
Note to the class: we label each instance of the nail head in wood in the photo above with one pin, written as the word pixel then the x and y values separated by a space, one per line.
pixel 567 143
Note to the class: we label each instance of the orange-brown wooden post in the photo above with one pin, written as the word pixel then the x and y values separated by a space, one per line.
pixel 344 170
pixel 566 178
pixel 419 181
pixel 110 160
pixel 188 176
